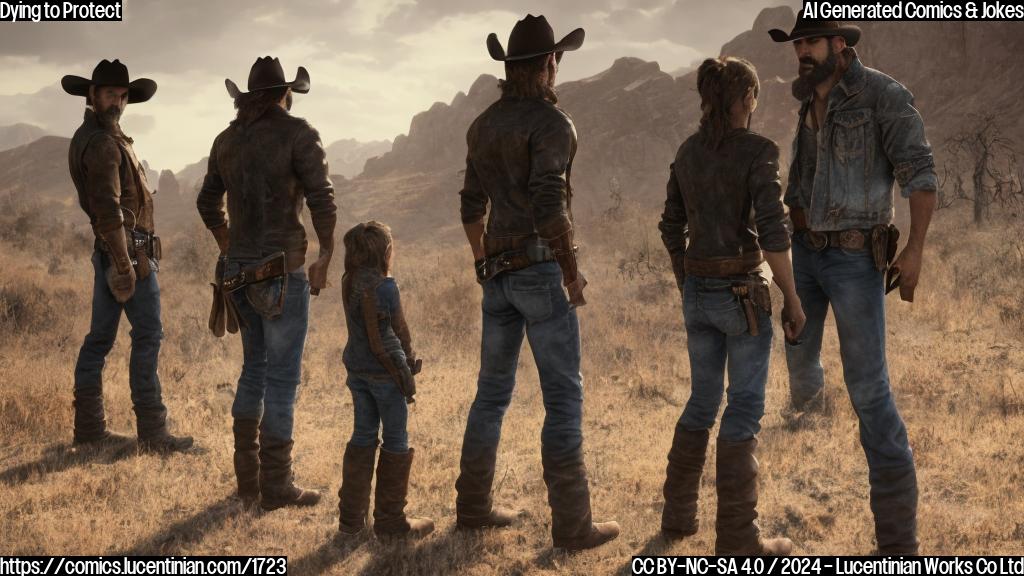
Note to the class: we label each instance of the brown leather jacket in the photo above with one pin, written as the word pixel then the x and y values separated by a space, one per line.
pixel 267 169
pixel 519 160
pixel 111 184
pixel 727 203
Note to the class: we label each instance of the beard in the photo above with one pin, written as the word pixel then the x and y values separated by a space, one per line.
pixel 109 117
pixel 803 85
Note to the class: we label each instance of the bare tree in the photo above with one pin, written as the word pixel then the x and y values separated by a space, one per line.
pixel 982 151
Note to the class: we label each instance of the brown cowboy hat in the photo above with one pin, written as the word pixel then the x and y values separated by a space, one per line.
pixel 267 73
pixel 108 73
pixel 807 28
pixel 533 36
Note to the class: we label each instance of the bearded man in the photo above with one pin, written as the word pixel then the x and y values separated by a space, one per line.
pixel 858 133
pixel 113 192
pixel 267 162
pixel 520 156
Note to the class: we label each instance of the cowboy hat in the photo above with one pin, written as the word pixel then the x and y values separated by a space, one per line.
pixel 533 36
pixel 807 28
pixel 108 73
pixel 267 73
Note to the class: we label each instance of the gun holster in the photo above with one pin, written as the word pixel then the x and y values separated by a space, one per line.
pixel 753 294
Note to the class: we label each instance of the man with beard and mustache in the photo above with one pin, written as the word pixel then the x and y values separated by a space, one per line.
pixel 858 132
pixel 113 192
pixel 519 159
pixel 267 162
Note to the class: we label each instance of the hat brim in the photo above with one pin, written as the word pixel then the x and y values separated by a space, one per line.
pixel 572 41
pixel 139 90
pixel 850 32
pixel 300 84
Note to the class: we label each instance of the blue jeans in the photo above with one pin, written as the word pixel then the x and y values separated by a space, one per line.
pixel 143 312
pixel 850 282
pixel 272 363
pixel 378 401
pixel 718 338
pixel 529 302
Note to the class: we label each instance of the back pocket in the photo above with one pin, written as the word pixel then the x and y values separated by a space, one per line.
pixel 532 297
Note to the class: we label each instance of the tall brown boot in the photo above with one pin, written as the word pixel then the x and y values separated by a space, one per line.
pixel 682 482
pixel 247 458
pixel 90 422
pixel 277 483
pixel 354 494
pixel 569 496
pixel 153 434
pixel 738 533
pixel 389 517
pixel 474 506
pixel 894 505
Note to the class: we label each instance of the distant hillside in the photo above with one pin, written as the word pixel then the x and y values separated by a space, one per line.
pixel 19 135
pixel 38 169
pixel 347 157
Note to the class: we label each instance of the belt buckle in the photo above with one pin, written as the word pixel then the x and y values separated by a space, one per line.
pixel 851 239
pixel 817 240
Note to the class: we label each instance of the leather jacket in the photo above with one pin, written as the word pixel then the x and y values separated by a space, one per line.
pixel 519 159
pixel 724 206
pixel 111 184
pixel 871 138
pixel 267 169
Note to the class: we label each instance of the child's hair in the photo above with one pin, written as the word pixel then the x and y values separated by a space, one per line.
pixel 367 246
pixel 720 82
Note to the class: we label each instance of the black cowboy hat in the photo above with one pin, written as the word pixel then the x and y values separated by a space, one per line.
pixel 807 28
pixel 108 73
pixel 533 36
pixel 267 73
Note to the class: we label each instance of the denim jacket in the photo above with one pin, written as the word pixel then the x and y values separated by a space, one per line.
pixel 871 136
pixel 358 356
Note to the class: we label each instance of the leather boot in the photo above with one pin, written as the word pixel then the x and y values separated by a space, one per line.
pixel 277 483
pixel 153 434
pixel 247 458
pixel 682 481
pixel 474 507
pixel 90 423
pixel 894 505
pixel 354 494
pixel 738 533
pixel 569 497
pixel 389 517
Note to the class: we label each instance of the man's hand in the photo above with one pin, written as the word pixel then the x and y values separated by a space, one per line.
pixel 220 234
pixel 793 320
pixel 122 286
pixel 908 266
pixel 575 290
pixel 318 274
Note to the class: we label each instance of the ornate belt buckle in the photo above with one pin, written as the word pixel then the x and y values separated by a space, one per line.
pixel 851 240
pixel 817 240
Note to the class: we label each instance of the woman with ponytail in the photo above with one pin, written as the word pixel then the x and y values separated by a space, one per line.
pixel 723 218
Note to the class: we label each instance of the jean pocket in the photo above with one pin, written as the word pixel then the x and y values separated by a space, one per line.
pixel 267 297
pixel 532 297
pixel 724 311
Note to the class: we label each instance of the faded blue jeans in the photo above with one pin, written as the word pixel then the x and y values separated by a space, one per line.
pixel 718 339
pixel 143 313
pixel 378 401
pixel 850 282
pixel 272 362
pixel 529 302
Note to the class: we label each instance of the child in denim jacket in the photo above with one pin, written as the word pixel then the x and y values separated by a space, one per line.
pixel 381 365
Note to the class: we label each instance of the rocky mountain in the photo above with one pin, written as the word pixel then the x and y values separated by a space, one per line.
pixel 347 157
pixel 19 135
pixel 191 177
pixel 38 171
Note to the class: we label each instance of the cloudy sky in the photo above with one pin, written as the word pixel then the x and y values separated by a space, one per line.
pixel 373 63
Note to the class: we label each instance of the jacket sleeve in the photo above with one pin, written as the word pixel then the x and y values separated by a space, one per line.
pixel 210 201
pixel 102 161
pixel 904 141
pixel 310 163
pixel 472 197
pixel 766 199
pixel 792 197
pixel 387 305
pixel 673 226
pixel 550 149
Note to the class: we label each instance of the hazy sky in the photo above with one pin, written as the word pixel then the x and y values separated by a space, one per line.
pixel 373 63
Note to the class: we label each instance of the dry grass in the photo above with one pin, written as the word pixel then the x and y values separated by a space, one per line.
pixel 956 361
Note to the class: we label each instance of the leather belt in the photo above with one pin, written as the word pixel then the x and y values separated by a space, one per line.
pixel 721 267
pixel 846 239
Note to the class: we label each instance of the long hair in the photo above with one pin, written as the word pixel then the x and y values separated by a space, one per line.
pixel 720 83
pixel 523 79
pixel 253 105
pixel 367 247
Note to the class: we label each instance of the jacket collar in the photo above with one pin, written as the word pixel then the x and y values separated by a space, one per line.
pixel 855 78
pixel 91 121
